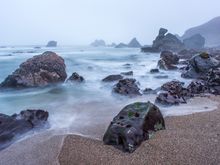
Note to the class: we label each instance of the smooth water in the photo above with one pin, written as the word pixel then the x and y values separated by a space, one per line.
pixel 80 108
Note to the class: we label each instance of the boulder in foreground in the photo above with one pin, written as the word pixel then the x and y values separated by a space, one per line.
pixel 39 71
pixel 134 124
pixel 11 127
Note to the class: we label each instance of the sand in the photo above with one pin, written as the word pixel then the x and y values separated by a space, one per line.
pixel 192 139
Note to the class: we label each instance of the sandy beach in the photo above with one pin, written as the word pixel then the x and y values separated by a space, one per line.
pixel 190 139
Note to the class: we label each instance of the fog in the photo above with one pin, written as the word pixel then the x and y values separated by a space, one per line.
pixel 78 22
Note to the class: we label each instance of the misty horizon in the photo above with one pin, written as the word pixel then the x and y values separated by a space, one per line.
pixel 81 22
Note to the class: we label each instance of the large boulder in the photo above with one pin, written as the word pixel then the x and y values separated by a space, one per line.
pixel 52 44
pixel 39 71
pixel 134 43
pixel 12 127
pixel 111 78
pixel 134 124
pixel 168 60
pixel 199 66
pixel 127 87
pixel 98 43
pixel 194 42
pixel 75 77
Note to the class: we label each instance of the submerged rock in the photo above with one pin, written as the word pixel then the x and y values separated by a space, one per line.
pixel 199 66
pixel 113 78
pixel 154 70
pixel 12 127
pixel 134 124
pixel 130 73
pixel 39 71
pixel 75 77
pixel 127 87
pixel 52 44
pixel 168 60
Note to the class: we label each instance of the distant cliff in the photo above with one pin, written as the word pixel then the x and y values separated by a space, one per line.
pixel 210 31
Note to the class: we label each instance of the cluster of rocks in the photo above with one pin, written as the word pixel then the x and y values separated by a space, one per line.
pixel 167 41
pixel 12 127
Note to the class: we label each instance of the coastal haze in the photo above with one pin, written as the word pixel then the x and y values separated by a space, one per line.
pixel 26 22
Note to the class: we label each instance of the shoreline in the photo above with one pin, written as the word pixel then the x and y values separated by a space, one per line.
pixel 188 139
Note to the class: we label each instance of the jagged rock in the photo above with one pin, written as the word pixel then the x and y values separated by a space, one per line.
pixel 199 65
pixel 75 77
pixel 113 78
pixel 168 60
pixel 52 44
pixel 98 43
pixel 134 124
pixel 39 71
pixel 11 127
pixel 127 87
pixel 134 43
pixel 194 42
pixel 121 45
pixel 213 81
pixel 130 73
pixel 198 87
pixel 154 71
pixel 165 98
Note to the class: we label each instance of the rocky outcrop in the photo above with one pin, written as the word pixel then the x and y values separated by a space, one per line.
pixel 12 127
pixel 165 41
pixel 75 77
pixel 121 45
pixel 134 43
pixel 111 78
pixel 52 44
pixel 98 43
pixel 127 87
pixel 194 42
pixel 39 71
pixel 134 124
pixel 168 60
pixel 199 65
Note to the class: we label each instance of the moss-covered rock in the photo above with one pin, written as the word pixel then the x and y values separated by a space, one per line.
pixel 134 124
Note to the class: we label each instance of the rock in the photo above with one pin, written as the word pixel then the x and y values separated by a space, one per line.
pixel 12 127
pixel 134 124
pixel 134 43
pixel 113 78
pixel 98 43
pixel 75 77
pixel 154 71
pixel 187 53
pixel 199 66
pixel 52 44
pixel 168 60
pixel 213 81
pixel 127 87
pixel 165 98
pixel 121 45
pixel 165 42
pixel 161 76
pixel 194 42
pixel 147 91
pixel 39 71
pixel 198 87
pixel 130 73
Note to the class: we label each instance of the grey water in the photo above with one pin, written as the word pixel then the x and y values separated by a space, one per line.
pixel 82 108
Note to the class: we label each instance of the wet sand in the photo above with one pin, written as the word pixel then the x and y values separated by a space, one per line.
pixel 191 139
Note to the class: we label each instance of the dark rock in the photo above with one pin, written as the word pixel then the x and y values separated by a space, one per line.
pixel 98 43
pixel 154 71
pixel 134 43
pixel 39 71
pixel 127 87
pixel 213 81
pixel 199 66
pixel 198 87
pixel 187 54
pixel 52 44
pixel 12 127
pixel 194 42
pixel 113 78
pixel 165 98
pixel 134 124
pixel 130 73
pixel 161 76
pixel 75 77
pixel 168 60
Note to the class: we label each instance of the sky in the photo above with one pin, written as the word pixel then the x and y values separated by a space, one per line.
pixel 79 22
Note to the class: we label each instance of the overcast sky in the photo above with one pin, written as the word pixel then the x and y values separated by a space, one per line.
pixel 76 22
